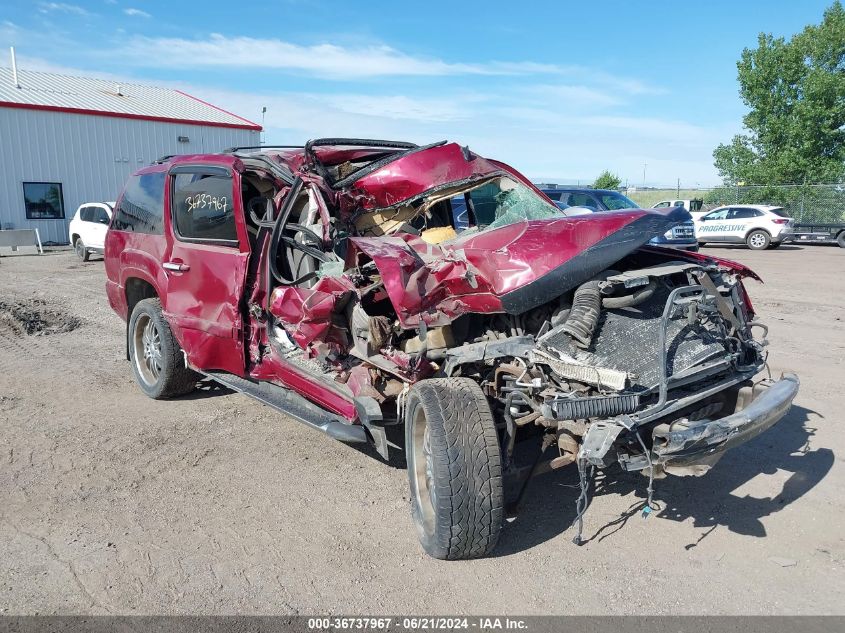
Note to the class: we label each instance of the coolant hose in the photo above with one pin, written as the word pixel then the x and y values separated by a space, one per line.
pixel 584 315
pixel 635 298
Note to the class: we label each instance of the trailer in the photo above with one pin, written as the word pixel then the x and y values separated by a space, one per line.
pixel 819 233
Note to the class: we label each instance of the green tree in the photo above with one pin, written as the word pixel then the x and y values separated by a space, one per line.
pixel 606 180
pixel 795 92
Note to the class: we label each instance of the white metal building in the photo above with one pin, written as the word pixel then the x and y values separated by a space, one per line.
pixel 68 140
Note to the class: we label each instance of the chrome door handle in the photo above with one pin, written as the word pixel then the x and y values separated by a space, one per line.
pixel 175 266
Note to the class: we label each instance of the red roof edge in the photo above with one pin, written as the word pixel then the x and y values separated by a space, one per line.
pixel 211 105
pixel 246 125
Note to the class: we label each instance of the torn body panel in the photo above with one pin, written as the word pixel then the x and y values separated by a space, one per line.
pixel 509 269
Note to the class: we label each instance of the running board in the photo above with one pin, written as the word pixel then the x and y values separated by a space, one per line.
pixel 291 403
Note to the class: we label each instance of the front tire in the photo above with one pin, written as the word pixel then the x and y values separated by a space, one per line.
pixel 454 468
pixel 840 239
pixel 157 359
pixel 758 240
pixel 81 250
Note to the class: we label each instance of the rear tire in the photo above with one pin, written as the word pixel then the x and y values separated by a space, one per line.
pixel 758 240
pixel 81 250
pixel 454 468
pixel 840 239
pixel 157 359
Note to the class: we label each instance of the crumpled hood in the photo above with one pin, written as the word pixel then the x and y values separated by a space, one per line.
pixel 511 269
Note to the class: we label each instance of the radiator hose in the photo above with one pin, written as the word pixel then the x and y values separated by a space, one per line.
pixel 635 298
pixel 587 303
pixel 584 315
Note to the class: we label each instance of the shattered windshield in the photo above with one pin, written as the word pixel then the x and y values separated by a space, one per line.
pixel 501 202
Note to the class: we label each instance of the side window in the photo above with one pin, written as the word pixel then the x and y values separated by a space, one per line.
pixel 141 207
pixel 721 214
pixel 678 203
pixel 661 205
pixel 554 195
pixel 742 214
pixel 203 208
pixel 85 214
pixel 99 215
pixel 582 200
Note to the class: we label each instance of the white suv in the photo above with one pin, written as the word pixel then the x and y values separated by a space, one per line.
pixel 760 226
pixel 87 229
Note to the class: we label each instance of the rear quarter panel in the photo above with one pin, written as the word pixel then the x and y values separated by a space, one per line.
pixel 129 255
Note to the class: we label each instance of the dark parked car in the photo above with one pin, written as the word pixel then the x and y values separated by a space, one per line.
pixel 681 236
pixel 332 282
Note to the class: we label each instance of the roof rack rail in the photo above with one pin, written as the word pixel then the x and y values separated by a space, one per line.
pixel 163 159
pixel 231 150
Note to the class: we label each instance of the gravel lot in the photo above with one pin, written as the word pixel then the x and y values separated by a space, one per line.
pixel 114 503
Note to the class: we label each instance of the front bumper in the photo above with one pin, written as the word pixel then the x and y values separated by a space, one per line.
pixel 690 443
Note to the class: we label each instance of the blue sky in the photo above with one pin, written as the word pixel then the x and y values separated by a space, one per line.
pixel 560 90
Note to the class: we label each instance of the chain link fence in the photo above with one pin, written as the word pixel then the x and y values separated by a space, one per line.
pixel 820 204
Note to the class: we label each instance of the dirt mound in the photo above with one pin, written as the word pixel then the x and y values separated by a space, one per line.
pixel 34 317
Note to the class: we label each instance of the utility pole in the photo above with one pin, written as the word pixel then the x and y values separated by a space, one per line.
pixel 678 195
pixel 644 168
pixel 263 136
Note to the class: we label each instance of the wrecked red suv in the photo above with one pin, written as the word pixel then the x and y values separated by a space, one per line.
pixel 329 281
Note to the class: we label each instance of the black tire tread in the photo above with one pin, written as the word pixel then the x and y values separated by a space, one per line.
pixel 468 467
pixel 86 255
pixel 175 379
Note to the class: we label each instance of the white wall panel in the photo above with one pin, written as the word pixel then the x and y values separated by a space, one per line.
pixel 90 155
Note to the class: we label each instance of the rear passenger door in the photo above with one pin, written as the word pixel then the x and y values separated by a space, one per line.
pixel 205 264
pixel 96 225
pixel 739 222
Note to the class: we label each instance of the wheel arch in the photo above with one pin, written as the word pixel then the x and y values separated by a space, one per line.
pixel 136 289
pixel 757 228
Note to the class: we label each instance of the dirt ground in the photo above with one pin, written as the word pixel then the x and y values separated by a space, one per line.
pixel 114 503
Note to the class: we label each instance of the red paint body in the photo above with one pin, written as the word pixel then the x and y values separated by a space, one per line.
pixel 209 304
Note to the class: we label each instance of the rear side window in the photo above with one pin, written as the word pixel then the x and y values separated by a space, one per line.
pixel 743 214
pixel 86 215
pixel 779 211
pixel 203 208
pixel 141 207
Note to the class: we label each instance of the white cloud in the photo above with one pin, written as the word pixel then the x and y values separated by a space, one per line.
pixel 333 61
pixel 61 7
pixel 136 13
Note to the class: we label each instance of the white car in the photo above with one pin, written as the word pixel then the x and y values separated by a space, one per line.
pixel 759 226
pixel 87 229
